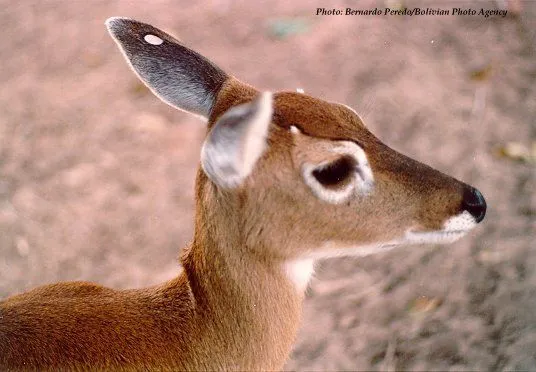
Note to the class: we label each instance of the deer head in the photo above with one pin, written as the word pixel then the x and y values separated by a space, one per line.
pixel 293 177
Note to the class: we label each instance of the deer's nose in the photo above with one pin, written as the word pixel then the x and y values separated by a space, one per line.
pixel 474 203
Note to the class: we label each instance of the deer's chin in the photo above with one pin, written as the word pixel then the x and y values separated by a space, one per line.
pixel 453 229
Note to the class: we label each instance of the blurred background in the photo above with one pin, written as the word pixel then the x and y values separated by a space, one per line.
pixel 97 175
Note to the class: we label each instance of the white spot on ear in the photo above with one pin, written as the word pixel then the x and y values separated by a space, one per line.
pixel 152 39
pixel 294 130
pixel 300 90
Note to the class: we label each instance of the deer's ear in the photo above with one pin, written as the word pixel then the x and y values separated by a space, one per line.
pixel 237 141
pixel 177 75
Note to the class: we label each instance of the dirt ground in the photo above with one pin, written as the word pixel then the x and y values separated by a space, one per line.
pixel 96 174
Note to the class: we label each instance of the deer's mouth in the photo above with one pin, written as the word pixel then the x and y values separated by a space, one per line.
pixel 453 229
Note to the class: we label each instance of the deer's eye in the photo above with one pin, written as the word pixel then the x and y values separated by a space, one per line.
pixel 336 174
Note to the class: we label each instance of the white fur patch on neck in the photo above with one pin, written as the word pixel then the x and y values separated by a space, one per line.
pixel 300 272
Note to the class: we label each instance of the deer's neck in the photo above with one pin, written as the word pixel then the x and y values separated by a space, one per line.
pixel 247 307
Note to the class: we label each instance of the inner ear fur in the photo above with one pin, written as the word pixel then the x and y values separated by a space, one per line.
pixel 236 141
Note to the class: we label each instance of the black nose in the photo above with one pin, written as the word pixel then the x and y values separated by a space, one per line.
pixel 474 203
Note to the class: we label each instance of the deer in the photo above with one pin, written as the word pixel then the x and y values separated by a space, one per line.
pixel 285 179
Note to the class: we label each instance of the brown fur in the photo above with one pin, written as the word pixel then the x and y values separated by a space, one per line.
pixel 233 306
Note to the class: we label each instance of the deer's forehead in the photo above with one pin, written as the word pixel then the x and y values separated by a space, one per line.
pixel 316 117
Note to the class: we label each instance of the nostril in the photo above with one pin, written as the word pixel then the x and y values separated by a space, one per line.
pixel 474 203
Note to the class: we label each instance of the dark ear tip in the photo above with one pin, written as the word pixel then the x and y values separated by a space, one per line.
pixel 113 22
pixel 117 24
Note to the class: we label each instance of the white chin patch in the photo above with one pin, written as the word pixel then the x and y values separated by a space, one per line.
pixel 454 228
